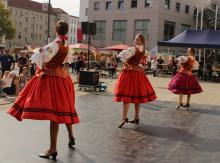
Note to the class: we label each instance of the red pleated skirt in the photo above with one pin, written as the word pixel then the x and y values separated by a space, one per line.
pixel 133 87
pixel 184 84
pixel 47 98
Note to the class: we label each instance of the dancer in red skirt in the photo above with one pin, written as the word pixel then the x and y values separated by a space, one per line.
pixel 184 82
pixel 133 86
pixel 50 93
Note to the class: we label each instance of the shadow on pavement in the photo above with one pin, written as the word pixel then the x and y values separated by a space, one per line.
pixel 176 134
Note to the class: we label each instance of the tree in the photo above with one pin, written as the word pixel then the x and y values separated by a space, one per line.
pixel 6 26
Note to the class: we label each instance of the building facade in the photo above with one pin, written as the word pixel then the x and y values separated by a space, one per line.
pixel 118 21
pixel 83 14
pixel 73 25
pixel 31 23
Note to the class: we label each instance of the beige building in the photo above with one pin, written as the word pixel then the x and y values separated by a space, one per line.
pixel 118 21
pixel 31 22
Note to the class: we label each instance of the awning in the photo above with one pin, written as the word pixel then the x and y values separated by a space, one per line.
pixel 195 39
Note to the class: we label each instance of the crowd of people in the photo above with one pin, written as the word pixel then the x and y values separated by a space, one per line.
pixel 101 62
pixel 16 71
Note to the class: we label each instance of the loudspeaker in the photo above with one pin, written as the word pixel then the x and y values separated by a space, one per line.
pixel 88 28
pixel 85 27
pixel 92 29
pixel 88 78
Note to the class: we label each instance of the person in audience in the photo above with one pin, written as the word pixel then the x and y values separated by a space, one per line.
pixel 154 64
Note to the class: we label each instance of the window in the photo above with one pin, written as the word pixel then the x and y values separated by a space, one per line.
pixel 147 3
pixel 86 12
pixel 133 3
pixel 185 27
pixel 167 4
pixel 96 6
pixel 100 30
pixel 169 30
pixel 142 27
pixel 195 11
pixel 119 30
pixel 108 5
pixel 121 4
pixel 178 6
pixel 187 9
pixel 21 13
pixel 26 19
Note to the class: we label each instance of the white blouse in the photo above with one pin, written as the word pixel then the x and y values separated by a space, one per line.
pixel 48 52
pixel 124 55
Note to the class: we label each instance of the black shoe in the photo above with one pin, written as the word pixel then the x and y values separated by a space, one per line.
pixel 135 121
pixel 123 122
pixel 186 105
pixel 71 142
pixel 48 155
pixel 177 108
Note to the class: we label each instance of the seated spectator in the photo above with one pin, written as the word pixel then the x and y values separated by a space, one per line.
pixel 2 93
pixel 160 60
pixel 22 81
pixel 25 72
pixel 172 65
pixel 11 86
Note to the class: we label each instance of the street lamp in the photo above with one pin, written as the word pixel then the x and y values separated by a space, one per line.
pixel 33 28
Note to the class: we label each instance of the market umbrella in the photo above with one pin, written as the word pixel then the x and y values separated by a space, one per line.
pixel 117 47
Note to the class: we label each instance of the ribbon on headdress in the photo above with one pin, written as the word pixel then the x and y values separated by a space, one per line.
pixel 63 37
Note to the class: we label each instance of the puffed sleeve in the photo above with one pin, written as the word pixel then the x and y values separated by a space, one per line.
pixel 126 54
pixel 182 59
pixel 45 54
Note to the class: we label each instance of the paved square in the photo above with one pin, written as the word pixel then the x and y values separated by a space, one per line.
pixel 163 136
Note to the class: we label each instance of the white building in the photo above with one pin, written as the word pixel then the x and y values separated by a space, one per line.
pixel 73 24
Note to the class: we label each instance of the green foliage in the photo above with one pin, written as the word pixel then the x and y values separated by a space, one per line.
pixel 6 26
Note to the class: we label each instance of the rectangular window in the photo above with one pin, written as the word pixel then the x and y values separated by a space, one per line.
pixel 177 6
pixel 100 30
pixel 167 4
pixel 119 30
pixel 169 30
pixel 96 6
pixel 147 3
pixel 108 5
pixel 120 4
pixel 185 27
pixel 187 9
pixel 195 11
pixel 142 27
pixel 133 3
pixel 86 12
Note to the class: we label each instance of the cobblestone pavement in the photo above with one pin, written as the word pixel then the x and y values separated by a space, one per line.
pixel 163 136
